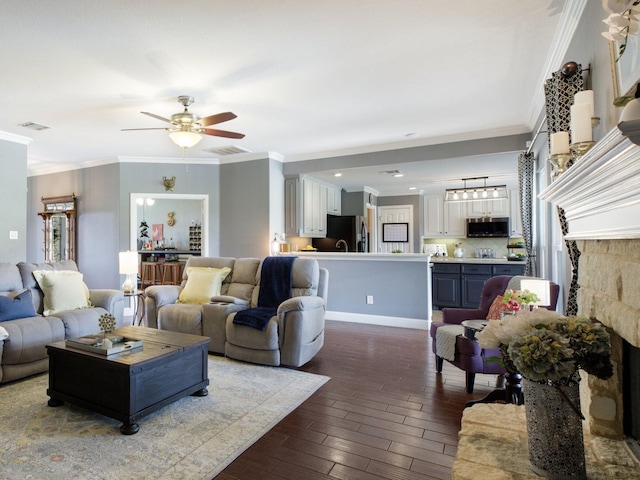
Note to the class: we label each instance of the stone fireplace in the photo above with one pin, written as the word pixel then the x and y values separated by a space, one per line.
pixel 600 195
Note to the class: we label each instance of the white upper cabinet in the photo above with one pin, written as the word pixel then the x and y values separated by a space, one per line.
pixel 307 202
pixel 442 219
pixel 488 208
pixel 334 200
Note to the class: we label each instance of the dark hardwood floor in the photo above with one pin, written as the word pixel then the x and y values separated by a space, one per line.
pixel 385 413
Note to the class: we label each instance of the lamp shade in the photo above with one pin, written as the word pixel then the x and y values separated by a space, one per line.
pixel 540 287
pixel 128 262
pixel 184 138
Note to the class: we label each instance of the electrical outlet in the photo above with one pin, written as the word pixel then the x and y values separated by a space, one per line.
pixel 369 299
pixel 13 235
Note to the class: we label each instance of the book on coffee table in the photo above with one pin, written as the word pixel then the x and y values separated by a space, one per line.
pixel 96 344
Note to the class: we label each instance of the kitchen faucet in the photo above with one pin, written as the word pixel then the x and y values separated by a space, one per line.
pixel 342 242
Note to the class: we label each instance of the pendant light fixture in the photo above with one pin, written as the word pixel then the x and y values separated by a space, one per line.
pixel 470 194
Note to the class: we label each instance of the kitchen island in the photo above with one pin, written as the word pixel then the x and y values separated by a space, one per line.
pixel 396 289
pixel 377 288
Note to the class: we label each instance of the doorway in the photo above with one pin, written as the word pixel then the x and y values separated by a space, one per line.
pixel 393 236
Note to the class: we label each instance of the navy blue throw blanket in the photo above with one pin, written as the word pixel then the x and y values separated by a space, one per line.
pixel 275 288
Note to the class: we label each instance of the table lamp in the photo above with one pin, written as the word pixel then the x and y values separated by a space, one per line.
pixel 128 266
pixel 540 287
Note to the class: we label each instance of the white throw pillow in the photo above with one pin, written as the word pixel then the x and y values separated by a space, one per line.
pixel 63 290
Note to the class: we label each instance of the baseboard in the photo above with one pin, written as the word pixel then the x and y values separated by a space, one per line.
pixel 378 320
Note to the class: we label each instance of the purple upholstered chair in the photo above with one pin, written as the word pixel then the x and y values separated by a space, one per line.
pixel 469 356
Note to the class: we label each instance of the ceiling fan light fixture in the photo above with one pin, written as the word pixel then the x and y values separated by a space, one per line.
pixel 185 138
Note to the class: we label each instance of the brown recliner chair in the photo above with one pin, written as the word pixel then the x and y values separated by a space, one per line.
pixel 469 356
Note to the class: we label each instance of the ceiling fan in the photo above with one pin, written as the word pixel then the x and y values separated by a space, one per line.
pixel 187 127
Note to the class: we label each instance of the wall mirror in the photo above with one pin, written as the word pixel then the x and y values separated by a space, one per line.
pixel 175 213
pixel 59 217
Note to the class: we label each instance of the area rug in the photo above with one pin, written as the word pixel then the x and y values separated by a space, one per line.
pixel 193 438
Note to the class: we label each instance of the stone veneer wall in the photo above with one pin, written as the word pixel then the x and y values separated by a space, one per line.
pixel 609 278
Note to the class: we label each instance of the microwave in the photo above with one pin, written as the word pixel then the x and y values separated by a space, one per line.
pixel 488 227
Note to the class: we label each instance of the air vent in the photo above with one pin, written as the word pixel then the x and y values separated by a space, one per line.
pixel 390 172
pixel 33 126
pixel 228 150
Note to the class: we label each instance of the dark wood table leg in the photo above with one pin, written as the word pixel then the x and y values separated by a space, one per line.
pixel 511 393
pixel 203 392
pixel 129 428
pixel 54 402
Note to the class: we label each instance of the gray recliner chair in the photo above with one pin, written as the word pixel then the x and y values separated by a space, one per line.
pixel 292 337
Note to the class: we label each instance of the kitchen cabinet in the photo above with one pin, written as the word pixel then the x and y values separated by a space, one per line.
pixel 445 281
pixel 472 279
pixel 306 204
pixel 291 201
pixel 488 208
pixel 334 200
pixel 459 285
pixel 314 209
pixel 442 219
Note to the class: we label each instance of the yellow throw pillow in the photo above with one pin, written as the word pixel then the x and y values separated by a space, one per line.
pixel 202 284
pixel 63 290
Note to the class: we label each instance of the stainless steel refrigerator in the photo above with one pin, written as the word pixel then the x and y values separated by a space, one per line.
pixel 350 228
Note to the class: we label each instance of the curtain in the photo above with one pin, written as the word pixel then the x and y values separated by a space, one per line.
pixel 559 91
pixel 526 170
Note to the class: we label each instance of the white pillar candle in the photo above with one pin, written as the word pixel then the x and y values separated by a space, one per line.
pixel 585 97
pixel 559 143
pixel 581 123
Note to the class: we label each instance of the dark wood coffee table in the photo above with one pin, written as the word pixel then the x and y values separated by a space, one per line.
pixel 130 385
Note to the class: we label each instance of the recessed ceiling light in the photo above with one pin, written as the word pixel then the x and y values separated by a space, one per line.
pixel 337 174
pixel 397 175
pixel 33 126
pixel 412 188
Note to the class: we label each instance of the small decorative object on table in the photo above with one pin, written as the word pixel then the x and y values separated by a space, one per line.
pixel 517 300
pixel 103 344
pixel 548 349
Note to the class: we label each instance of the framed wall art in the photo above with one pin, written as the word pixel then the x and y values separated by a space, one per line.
pixel 625 70
pixel 395 232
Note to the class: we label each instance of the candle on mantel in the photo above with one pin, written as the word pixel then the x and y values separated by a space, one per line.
pixel 559 143
pixel 585 97
pixel 581 130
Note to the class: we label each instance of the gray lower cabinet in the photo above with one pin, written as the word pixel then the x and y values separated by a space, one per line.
pixel 472 279
pixel 460 284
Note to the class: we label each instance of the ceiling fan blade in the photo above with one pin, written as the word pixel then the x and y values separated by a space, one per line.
pixel 217 118
pixel 156 116
pixel 130 129
pixel 222 133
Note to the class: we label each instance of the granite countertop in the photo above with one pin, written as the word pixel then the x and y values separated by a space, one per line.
pixel 361 256
pixel 491 261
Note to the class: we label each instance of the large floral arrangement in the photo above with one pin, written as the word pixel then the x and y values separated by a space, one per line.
pixel 622 21
pixel 544 346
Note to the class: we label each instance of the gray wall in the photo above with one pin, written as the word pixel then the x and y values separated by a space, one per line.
pixel 247 207
pixel 13 195
pixel 399 289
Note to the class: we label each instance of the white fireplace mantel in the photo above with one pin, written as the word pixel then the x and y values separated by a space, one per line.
pixel 600 192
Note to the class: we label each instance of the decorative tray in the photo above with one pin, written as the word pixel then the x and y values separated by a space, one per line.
pixel 94 343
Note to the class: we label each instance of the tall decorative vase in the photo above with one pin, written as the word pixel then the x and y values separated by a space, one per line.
pixel 554 430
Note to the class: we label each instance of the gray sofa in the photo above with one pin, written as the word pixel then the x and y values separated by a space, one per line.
pixel 23 352
pixel 292 337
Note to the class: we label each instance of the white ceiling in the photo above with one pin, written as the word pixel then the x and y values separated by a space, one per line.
pixel 306 78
